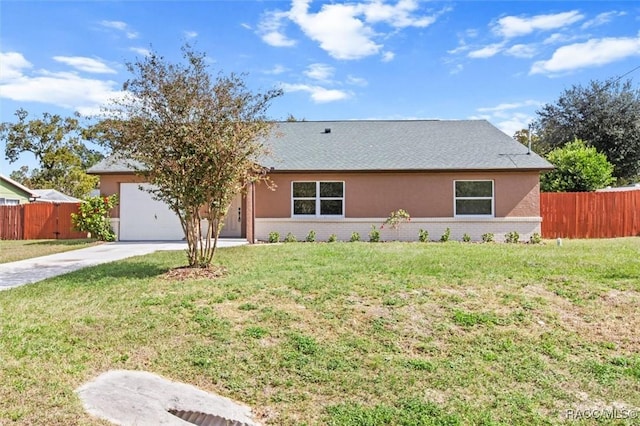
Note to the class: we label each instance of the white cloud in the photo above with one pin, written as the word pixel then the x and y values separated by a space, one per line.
pixel 321 72
pixel 500 108
pixel 190 34
pixel 594 52
pixel 277 69
pixel 521 51
pixel 83 63
pixel 388 56
pixel 487 51
pixel 318 94
pixel 356 81
pixel 510 116
pixel 120 26
pixel 558 38
pixel 271 29
pixel 63 89
pixel 12 65
pixel 337 29
pixel 457 69
pixel 140 51
pixel 514 26
pixel 344 30
pixel 516 122
pixel 602 19
pixel 246 26
pixel 398 15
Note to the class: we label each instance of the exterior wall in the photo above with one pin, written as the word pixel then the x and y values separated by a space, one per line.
pixel 110 184
pixel 10 192
pixel 428 197
pixel 343 228
pixel 421 194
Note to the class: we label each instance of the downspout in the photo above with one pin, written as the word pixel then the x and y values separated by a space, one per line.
pixel 253 213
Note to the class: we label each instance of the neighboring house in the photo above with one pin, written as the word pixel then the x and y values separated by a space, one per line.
pixel 631 187
pixel 340 177
pixel 54 196
pixel 12 193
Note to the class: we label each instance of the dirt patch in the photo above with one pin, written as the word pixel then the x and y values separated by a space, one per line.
pixel 186 273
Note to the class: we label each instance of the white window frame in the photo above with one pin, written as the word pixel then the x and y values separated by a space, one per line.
pixel 317 199
pixel 9 202
pixel 492 198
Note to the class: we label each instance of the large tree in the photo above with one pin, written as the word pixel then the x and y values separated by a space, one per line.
pixel 606 115
pixel 197 139
pixel 58 144
pixel 578 168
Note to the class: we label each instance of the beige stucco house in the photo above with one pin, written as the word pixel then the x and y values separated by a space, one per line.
pixel 340 177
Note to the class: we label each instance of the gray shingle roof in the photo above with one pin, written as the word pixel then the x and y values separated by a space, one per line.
pixel 388 145
pixel 398 145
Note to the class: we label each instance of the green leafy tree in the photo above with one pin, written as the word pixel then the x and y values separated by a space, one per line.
pixel 196 139
pixel 522 136
pixel 606 115
pixel 58 145
pixel 93 217
pixel 578 169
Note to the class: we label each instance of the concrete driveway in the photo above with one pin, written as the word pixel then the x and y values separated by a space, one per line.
pixel 29 271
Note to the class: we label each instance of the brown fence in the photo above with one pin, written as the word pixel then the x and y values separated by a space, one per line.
pixel 38 221
pixel 590 214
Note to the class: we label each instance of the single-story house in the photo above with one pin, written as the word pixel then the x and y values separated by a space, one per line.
pixel 340 177
pixel 13 193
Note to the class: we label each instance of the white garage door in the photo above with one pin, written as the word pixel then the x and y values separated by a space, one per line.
pixel 144 219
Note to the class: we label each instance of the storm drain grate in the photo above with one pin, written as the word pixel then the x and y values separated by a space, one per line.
pixel 204 419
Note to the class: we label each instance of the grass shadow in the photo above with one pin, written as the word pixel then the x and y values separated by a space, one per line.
pixel 112 273
pixel 76 242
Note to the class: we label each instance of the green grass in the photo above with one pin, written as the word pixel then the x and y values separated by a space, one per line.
pixel 13 250
pixel 343 334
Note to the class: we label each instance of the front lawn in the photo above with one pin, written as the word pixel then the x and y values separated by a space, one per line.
pixel 344 333
pixel 12 250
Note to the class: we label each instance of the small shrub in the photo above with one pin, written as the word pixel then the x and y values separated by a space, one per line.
pixel 535 238
pixel 445 237
pixel 396 218
pixel 355 237
pixel 374 235
pixel 466 237
pixel 311 236
pixel 423 236
pixel 274 237
pixel 487 238
pixel 290 238
pixel 332 238
pixel 511 237
pixel 93 217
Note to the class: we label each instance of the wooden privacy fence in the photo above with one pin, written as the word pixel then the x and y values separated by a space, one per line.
pixel 38 221
pixel 590 214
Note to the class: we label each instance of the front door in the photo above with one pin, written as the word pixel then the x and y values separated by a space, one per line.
pixel 233 222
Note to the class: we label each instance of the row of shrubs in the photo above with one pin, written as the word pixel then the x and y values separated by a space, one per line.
pixel 423 236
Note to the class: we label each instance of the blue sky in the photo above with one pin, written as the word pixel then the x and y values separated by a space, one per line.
pixel 341 60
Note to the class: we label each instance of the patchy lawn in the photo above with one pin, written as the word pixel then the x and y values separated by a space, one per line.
pixel 344 333
pixel 12 250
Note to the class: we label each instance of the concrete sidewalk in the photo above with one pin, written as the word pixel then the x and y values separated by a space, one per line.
pixel 29 271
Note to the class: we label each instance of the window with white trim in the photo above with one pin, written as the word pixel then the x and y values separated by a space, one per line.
pixel 317 199
pixel 9 202
pixel 473 198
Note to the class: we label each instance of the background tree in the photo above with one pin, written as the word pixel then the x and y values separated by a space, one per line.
pixel 58 145
pixel 197 139
pixel 606 115
pixel 537 146
pixel 578 169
